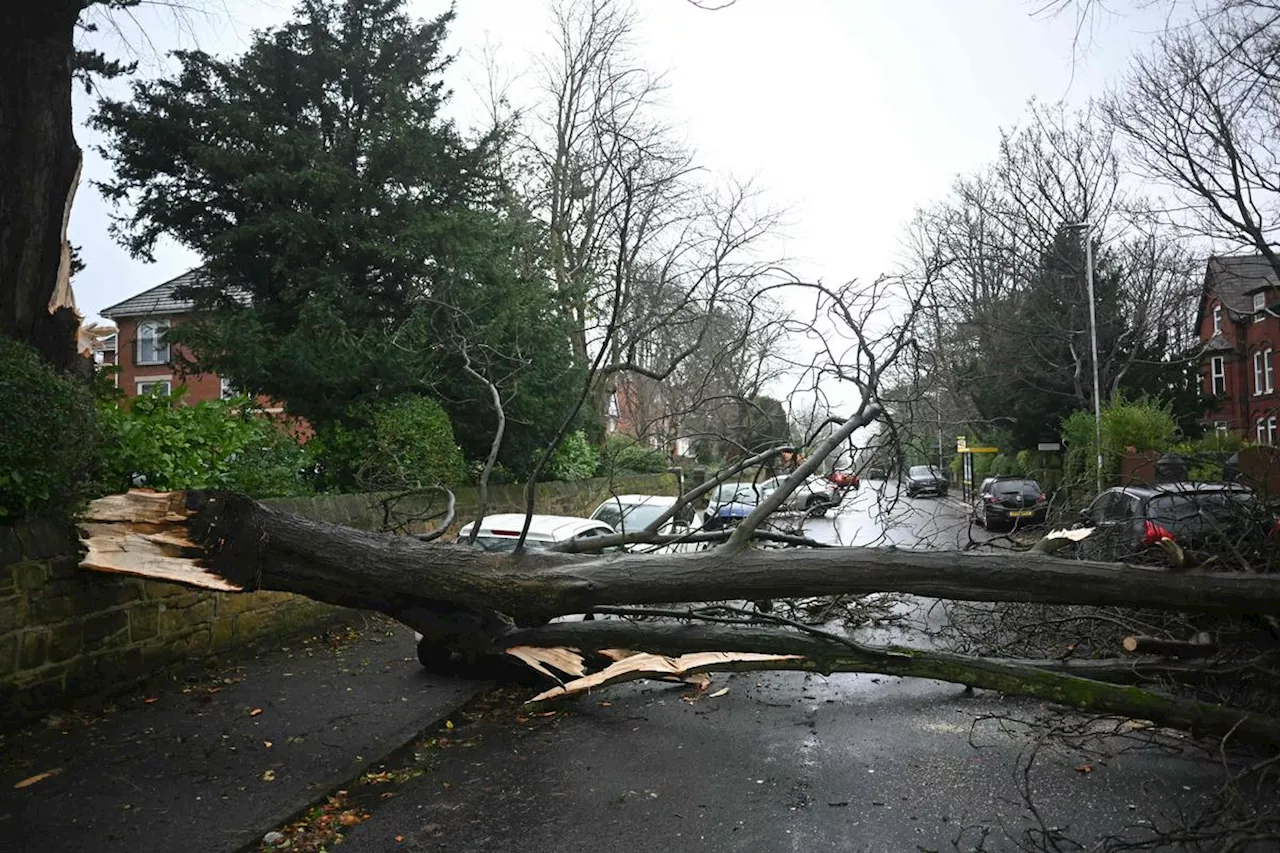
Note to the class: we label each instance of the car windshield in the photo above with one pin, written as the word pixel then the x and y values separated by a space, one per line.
pixel 924 471
pixel 631 516
pixel 507 543
pixel 742 493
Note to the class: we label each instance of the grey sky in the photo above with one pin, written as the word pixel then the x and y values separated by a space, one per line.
pixel 848 113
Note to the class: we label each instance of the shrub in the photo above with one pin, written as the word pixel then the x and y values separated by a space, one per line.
pixel 158 441
pixel 574 459
pixel 625 455
pixel 49 436
pixel 406 443
pixel 1143 424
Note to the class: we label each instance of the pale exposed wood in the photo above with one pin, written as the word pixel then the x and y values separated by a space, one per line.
pixel 113 549
pixel 139 505
pixel 568 661
pixel 660 666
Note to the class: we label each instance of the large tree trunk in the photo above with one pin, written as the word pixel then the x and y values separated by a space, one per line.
pixel 474 600
pixel 39 161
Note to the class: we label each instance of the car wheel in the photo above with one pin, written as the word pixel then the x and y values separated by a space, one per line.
pixel 816 507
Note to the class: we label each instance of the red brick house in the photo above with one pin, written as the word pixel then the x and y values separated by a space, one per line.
pixel 146 360
pixel 1239 329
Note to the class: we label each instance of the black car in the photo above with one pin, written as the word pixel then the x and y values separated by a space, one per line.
pixel 1224 518
pixel 1010 502
pixel 926 479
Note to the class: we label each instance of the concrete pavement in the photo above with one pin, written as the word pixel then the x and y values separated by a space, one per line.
pixel 213 762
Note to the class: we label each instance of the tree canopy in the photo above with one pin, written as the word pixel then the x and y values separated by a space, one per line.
pixel 356 241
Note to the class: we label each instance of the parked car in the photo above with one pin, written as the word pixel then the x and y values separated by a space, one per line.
pixel 730 503
pixel 501 532
pixel 632 513
pixel 926 479
pixel 814 496
pixel 844 479
pixel 1010 502
pixel 1127 520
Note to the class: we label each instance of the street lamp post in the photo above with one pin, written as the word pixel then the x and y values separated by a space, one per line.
pixel 1087 228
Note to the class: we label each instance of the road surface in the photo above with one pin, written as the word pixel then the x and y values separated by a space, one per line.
pixel 781 761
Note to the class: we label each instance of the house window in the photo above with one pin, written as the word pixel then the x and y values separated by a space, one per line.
pixel 152 347
pixel 1262 372
pixel 226 390
pixel 1218 376
pixel 1267 431
pixel 154 386
pixel 1259 306
pixel 1217 319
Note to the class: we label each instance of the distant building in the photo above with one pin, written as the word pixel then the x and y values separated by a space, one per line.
pixel 1239 329
pixel 146 359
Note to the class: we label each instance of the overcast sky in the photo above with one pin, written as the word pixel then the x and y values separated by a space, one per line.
pixel 848 113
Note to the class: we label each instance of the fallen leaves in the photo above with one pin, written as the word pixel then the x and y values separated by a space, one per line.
pixel 255 712
pixel 322 827
pixel 39 777
pixel 1084 768
pixel 269 776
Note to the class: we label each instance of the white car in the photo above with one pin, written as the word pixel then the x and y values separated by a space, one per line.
pixel 814 496
pixel 501 532
pixel 633 513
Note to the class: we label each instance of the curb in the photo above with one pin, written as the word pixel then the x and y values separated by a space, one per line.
pixel 384 749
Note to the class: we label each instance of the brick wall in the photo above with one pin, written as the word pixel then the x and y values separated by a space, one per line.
pixel 67 633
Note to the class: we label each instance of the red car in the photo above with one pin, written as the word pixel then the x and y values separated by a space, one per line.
pixel 844 479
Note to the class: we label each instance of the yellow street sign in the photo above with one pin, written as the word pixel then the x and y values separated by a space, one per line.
pixel 981 450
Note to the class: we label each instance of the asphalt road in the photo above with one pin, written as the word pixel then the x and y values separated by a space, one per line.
pixel 783 761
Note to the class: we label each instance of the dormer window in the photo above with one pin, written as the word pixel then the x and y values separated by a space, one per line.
pixel 1259 306
pixel 152 346
pixel 1217 319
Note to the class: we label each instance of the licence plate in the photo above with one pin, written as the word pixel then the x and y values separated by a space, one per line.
pixel 1021 513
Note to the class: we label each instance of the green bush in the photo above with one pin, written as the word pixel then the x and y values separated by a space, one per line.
pixel 574 459
pixel 625 455
pixel 157 441
pixel 49 436
pixel 406 443
pixel 1143 424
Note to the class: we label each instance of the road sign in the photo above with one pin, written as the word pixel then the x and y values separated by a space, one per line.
pixel 981 450
pixel 1048 446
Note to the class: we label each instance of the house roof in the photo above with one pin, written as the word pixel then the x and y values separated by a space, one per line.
pixel 159 300
pixel 1235 277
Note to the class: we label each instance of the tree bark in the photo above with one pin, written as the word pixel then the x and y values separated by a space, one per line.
pixel 39 160
pixel 252 546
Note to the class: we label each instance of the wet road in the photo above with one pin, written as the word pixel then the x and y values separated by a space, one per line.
pixel 781 761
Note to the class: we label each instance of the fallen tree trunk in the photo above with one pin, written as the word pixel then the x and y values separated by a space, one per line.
pixel 471 600
pixel 251 546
